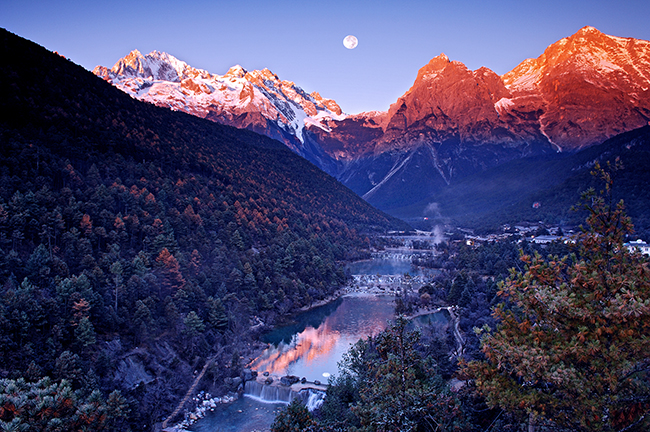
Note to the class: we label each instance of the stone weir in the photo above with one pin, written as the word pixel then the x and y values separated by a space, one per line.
pixel 284 389
pixel 403 254
pixel 369 279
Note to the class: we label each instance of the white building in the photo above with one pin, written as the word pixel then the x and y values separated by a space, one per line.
pixel 638 245
pixel 545 239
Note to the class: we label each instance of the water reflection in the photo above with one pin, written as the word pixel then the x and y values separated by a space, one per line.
pixel 313 350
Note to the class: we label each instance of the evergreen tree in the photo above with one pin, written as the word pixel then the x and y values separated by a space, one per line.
pixel 217 317
pixel 85 332
pixel 295 418
pixel 404 393
pixel 193 324
pixel 572 347
pixel 385 384
pixel 46 406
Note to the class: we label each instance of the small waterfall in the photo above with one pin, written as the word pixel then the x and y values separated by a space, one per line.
pixel 269 393
pixel 313 399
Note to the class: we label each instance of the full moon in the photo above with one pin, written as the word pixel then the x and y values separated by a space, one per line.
pixel 350 42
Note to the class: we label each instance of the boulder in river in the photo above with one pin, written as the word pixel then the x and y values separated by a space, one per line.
pixel 288 380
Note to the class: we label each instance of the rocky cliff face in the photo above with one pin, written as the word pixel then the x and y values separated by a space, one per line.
pixel 586 88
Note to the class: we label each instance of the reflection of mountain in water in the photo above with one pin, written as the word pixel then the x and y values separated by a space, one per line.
pixel 306 346
pixel 318 348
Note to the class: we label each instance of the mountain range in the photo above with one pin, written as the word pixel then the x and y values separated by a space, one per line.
pixel 452 123
pixel 256 100
pixel 137 242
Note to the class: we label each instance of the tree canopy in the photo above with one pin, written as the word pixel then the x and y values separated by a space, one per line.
pixel 571 348
pixel 135 235
pixel 385 383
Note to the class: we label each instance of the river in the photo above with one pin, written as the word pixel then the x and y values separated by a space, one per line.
pixel 313 350
pixel 313 346
pixel 310 348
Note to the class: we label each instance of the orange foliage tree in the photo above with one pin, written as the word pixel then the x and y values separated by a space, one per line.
pixel 572 347
pixel 173 279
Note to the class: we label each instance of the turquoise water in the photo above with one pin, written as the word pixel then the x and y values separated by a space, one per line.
pixel 243 415
pixel 432 319
pixel 382 267
pixel 313 346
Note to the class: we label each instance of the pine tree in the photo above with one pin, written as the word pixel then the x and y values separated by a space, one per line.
pixel 402 392
pixel 217 317
pixel 295 418
pixel 47 406
pixel 572 346
pixel 85 332
pixel 116 271
pixel 193 324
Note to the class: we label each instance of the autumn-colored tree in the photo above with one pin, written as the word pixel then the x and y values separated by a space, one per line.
pixel 195 262
pixel 572 347
pixel 86 224
pixel 173 279
pixel 81 310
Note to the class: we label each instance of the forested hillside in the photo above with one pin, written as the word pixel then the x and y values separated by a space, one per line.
pixel 136 242
pixel 506 194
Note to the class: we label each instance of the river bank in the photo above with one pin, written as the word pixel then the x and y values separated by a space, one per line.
pixel 311 332
pixel 309 348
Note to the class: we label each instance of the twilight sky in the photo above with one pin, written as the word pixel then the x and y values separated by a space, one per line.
pixel 302 41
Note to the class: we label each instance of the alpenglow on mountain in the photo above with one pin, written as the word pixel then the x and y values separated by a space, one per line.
pixel 256 100
pixel 451 123
pixel 147 217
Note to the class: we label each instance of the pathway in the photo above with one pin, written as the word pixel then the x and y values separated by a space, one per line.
pixel 189 392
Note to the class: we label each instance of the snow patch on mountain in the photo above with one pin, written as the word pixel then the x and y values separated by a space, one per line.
pixel 236 98
pixel 503 105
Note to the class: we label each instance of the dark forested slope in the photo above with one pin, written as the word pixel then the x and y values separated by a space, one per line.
pixel 135 242
pixel 553 182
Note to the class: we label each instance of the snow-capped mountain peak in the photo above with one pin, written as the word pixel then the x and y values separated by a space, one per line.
pixel 155 65
pixel 256 100
pixel 236 72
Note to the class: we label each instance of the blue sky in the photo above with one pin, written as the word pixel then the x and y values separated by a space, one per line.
pixel 301 41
